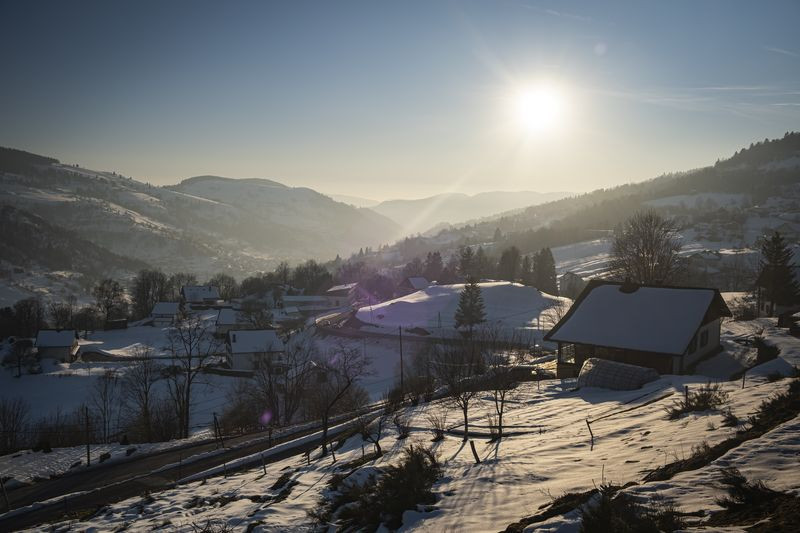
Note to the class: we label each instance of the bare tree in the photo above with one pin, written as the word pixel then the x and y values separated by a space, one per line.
pixel 257 315
pixel 110 297
pixel 191 346
pixel 553 314
pixel 646 248
pixel 500 371
pixel 13 422
pixel 104 401
pixel 455 367
pixel 372 430
pixel 137 387
pixel 281 386
pixel 336 376
pixel 62 313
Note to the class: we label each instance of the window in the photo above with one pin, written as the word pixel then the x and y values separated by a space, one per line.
pixel 703 338
pixel 692 345
pixel 567 353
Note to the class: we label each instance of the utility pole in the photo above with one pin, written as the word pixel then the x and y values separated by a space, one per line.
pixel 218 431
pixel 402 370
pixel 86 414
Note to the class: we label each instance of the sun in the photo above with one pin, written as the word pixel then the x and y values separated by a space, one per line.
pixel 539 108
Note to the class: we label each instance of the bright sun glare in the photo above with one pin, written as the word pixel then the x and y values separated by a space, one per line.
pixel 539 108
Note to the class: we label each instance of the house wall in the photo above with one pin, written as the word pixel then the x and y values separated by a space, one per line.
pixel 251 360
pixel 59 353
pixel 661 363
pixel 713 329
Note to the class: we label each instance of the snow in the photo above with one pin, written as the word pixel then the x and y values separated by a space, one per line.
pixel 165 308
pixel 651 319
pixel 549 454
pixel 51 338
pixel 510 305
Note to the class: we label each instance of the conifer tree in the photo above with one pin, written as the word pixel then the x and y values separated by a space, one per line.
pixel 470 311
pixel 544 270
pixel 777 275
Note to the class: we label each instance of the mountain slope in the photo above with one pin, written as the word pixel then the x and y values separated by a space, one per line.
pixel 203 225
pixel 417 216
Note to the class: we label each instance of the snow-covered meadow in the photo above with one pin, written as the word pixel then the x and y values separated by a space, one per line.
pixel 548 453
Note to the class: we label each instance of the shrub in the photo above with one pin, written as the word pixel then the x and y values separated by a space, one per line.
pixel 402 426
pixel 382 498
pixel 772 377
pixel 766 351
pixel 729 420
pixel 622 513
pixel 438 422
pixel 706 398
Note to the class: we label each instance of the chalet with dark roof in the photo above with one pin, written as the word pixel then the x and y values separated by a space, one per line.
pixel 668 329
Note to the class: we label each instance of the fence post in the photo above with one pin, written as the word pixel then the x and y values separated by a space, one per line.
pixel 744 375
pixel 686 393
pixel 263 464
pixel 5 494
pixel 474 453
pixel 86 414
pixel 591 434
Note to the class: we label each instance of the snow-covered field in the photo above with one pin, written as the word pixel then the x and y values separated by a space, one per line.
pixel 550 454
pixel 509 305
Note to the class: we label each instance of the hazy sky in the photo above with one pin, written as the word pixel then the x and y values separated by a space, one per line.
pixel 401 99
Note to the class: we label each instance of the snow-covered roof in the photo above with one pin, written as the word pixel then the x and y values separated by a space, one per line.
pixel 304 298
pixel 648 318
pixel 254 340
pixel 165 308
pixel 199 293
pixel 342 288
pixel 52 338
pixel 291 310
pixel 418 282
pixel 228 316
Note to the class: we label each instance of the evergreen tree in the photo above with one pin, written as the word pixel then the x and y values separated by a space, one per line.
pixel 777 275
pixel 544 269
pixel 433 266
pixel 482 265
pixel 470 311
pixel 466 261
pixel 526 271
pixel 508 267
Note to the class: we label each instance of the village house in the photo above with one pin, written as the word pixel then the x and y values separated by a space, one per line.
pixel 228 319
pixel 570 285
pixel 342 295
pixel 668 329
pixel 411 284
pixel 61 345
pixel 200 294
pixel 164 313
pixel 307 303
pixel 251 349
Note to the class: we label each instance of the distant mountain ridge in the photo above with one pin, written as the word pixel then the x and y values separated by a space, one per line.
pixel 204 224
pixel 420 215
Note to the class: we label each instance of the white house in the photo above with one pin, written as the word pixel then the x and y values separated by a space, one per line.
pixel 164 313
pixel 342 295
pixel 307 304
pixel 250 349
pixel 411 284
pixel 668 329
pixel 228 319
pixel 61 345
pixel 200 294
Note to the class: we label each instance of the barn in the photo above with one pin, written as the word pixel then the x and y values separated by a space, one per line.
pixel 668 329
pixel 61 345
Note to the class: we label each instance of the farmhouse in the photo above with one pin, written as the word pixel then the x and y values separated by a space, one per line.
pixel 411 284
pixel 341 295
pixel 668 329
pixel 228 319
pixel 163 313
pixel 251 349
pixel 61 345
pixel 200 294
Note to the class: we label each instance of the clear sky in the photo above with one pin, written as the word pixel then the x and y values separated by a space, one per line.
pixel 398 99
